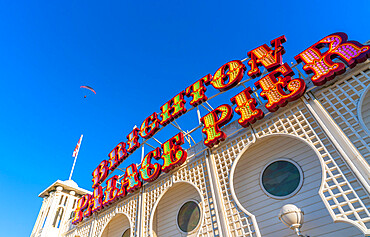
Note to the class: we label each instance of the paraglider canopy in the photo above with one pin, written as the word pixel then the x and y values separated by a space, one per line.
pixel 89 88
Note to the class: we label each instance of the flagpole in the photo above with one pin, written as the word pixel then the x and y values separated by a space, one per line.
pixel 75 152
pixel 74 162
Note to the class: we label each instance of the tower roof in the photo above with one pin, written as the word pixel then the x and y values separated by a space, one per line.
pixel 69 185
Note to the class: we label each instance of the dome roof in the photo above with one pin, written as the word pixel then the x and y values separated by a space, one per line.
pixel 71 183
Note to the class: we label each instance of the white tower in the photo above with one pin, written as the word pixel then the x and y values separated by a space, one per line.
pixel 59 202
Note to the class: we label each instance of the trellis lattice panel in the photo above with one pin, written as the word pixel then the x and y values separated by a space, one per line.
pixel 341 101
pixel 240 224
pixel 195 172
pixel 81 230
pixel 344 197
pixel 127 206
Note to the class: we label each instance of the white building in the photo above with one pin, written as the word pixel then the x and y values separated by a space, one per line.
pixel 313 153
pixel 59 202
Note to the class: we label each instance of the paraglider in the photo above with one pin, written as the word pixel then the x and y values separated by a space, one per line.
pixel 89 88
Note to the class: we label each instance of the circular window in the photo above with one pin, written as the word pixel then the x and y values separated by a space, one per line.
pixel 188 216
pixel 281 179
pixel 127 233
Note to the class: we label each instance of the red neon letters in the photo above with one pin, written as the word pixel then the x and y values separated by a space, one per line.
pixel 131 178
pixel 150 172
pixel 264 56
pixel 81 205
pixel 149 127
pixel 213 123
pixel 122 191
pixel 278 88
pixel 111 190
pixel 94 202
pixel 100 173
pixel 197 90
pixel 322 65
pixel 132 140
pixel 274 83
pixel 232 71
pixel 246 108
pixel 174 108
pixel 173 154
pixel 117 156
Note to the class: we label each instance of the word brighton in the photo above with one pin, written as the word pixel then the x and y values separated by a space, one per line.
pixel 278 87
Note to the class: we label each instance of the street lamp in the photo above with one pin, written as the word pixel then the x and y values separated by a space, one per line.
pixel 292 217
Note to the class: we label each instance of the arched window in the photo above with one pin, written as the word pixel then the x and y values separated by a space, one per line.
pixel 58 217
pixel 61 200
pixel 65 201
pixel 47 213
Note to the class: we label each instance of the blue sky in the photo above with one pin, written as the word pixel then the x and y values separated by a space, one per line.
pixel 136 55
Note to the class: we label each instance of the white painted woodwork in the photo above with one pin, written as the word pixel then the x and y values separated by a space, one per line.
pixel 165 217
pixel 317 221
pixel 339 99
pixel 116 226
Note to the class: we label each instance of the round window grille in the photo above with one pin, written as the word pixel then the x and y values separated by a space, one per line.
pixel 281 179
pixel 188 216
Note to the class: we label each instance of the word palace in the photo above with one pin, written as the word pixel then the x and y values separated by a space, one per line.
pixel 274 86
pixel 294 161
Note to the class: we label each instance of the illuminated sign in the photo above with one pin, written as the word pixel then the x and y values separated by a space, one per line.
pixel 322 65
pixel 278 87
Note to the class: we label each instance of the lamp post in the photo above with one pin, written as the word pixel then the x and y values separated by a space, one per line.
pixel 292 217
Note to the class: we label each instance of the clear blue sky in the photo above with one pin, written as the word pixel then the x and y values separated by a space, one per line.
pixel 136 55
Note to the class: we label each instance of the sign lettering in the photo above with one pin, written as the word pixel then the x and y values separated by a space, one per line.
pixel 278 88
